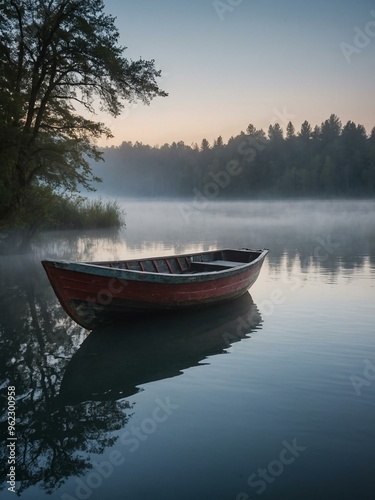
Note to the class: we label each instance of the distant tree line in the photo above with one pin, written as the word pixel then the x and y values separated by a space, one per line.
pixel 329 160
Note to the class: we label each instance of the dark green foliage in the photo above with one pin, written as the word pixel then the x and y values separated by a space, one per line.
pixel 329 160
pixel 56 55
pixel 48 210
pixel 79 213
pixel 290 131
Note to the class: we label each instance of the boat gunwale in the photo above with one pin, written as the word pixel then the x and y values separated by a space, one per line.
pixel 113 272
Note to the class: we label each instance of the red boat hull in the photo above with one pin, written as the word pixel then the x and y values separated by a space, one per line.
pixel 97 295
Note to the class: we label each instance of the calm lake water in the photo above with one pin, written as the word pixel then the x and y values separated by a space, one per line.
pixel 268 397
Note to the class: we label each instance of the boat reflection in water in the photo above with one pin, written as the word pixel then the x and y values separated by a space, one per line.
pixel 114 361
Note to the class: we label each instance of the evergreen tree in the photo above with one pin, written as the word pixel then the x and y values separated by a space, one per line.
pixel 205 145
pixel 275 132
pixel 330 129
pixel 304 166
pixel 306 131
pixel 290 131
pixel 218 142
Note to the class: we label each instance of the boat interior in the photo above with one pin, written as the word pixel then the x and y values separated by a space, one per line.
pixel 217 260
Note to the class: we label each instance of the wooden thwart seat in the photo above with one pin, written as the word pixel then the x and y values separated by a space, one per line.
pixel 213 265
pixel 225 263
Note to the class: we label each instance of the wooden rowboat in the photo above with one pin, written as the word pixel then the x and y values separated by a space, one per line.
pixel 98 293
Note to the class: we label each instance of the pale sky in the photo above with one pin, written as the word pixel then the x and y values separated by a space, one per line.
pixel 229 63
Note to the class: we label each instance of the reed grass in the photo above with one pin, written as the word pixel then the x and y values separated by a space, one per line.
pixel 83 213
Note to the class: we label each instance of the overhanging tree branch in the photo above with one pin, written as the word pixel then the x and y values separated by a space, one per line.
pixel 55 54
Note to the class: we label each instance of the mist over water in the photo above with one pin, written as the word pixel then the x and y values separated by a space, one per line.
pixel 292 364
pixel 294 232
pixel 180 225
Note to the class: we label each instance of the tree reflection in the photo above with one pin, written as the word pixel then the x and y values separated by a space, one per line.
pixel 72 387
pixel 71 399
pixel 54 441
